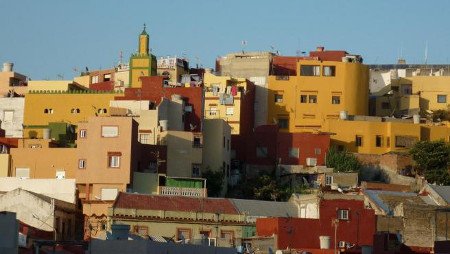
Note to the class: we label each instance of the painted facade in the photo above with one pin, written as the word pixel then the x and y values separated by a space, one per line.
pixel 54 86
pixel 230 99
pixel 73 107
pixel 104 159
pixel 40 159
pixel 319 91
pixel 414 95
pixel 371 135
pixel 11 81
pixel 354 224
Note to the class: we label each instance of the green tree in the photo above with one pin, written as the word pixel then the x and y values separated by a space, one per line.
pixel 214 182
pixel 342 161
pixel 432 160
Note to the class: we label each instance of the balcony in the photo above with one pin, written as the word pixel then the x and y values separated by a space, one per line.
pixel 179 191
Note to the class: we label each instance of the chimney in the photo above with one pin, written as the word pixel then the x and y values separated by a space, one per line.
pixel 320 48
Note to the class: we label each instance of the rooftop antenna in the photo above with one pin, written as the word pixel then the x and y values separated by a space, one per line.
pixel 243 44
pixel 197 61
pixel 426 52
pixel 120 57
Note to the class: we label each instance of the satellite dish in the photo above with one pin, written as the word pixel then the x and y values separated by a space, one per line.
pixel 340 190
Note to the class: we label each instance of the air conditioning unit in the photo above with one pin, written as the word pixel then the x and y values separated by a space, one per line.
pixel 342 244
pixel 311 162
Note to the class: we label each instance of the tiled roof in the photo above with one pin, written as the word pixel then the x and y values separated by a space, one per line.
pixel 386 187
pixel 174 203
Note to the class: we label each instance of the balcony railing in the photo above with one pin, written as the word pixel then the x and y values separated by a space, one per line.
pixel 179 191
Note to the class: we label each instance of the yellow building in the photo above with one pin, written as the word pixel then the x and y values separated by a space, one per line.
pixel 319 91
pixel 41 108
pixel 142 63
pixel 413 95
pixel 225 99
pixel 373 135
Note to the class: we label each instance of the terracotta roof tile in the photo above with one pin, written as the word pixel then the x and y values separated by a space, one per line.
pixel 174 203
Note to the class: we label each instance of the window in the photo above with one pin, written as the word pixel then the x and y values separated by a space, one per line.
pixel 142 230
pixel 442 98
pixel 317 151
pixel 342 214
pixel 144 138
pixel 114 159
pixel 406 89
pixel 228 235
pixel 328 180
pixel 75 111
pixel 312 99
pixel 212 111
pixel 106 77
pixel 294 152
pixel 183 234
pixel 230 111
pixel 283 123
pixel 335 99
pixel 204 233
pixel 197 141
pixel 196 170
pixel 378 140
pixel 82 164
pixel 110 131
pixel 303 98
pixel 8 116
pixel 385 105
pixel 278 98
pixel 102 111
pixel 48 111
pixel 329 71
pixel 94 79
pixel 310 70
pixel 358 140
pixel 261 151
pixel 83 133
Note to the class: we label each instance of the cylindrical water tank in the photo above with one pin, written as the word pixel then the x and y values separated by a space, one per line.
pixel 46 133
pixel 164 124
pixel 8 67
pixel 324 242
pixel 343 115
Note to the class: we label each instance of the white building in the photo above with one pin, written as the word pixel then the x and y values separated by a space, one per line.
pixel 11 113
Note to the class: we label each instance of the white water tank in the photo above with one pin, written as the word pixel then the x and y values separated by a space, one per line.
pixel 324 242
pixel 164 124
pixel 8 67
pixel 46 133
pixel 416 119
pixel 343 115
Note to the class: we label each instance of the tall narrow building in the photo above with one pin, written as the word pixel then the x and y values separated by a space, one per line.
pixel 142 63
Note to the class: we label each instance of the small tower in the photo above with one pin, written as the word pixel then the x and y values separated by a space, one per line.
pixel 142 63
pixel 143 42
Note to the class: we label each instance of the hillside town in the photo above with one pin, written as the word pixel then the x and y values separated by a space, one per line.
pixel 264 153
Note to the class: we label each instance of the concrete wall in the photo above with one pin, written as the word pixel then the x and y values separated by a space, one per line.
pixel 146 183
pixel 16 105
pixel 148 247
pixel 62 189
pixel 181 153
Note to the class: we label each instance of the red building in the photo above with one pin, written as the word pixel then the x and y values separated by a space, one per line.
pixel 356 226
pixel 153 90
pixel 267 146
pixel 102 86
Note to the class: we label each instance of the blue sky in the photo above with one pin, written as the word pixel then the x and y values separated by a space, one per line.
pixel 52 37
